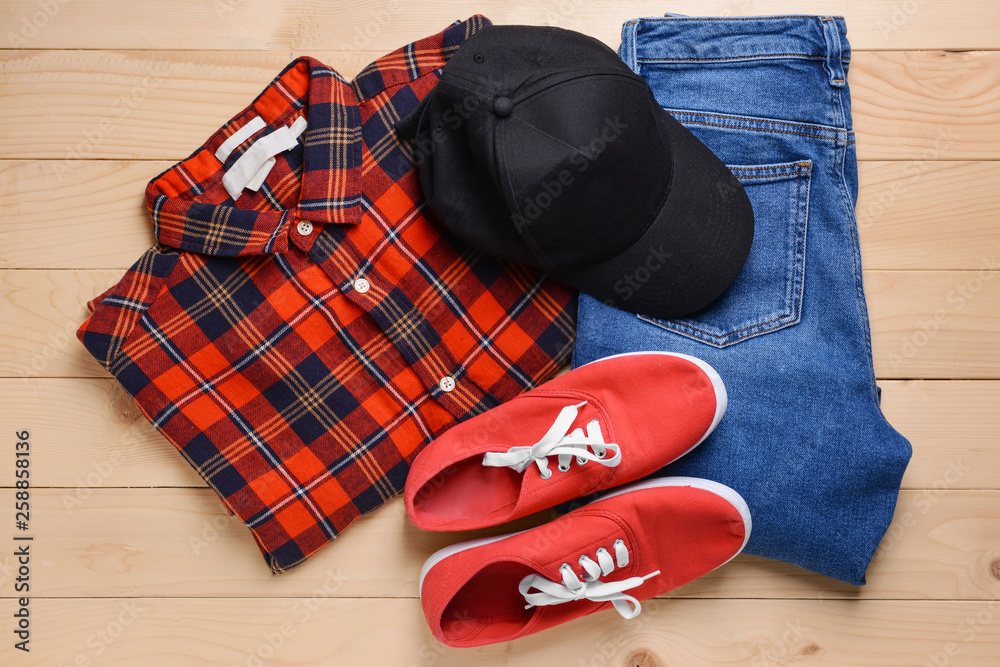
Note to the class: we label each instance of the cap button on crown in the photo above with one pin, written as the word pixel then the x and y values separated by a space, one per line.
pixel 502 106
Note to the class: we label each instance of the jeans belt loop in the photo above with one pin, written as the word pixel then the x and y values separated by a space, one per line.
pixel 834 51
pixel 629 50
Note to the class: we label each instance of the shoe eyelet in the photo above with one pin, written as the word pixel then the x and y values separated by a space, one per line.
pixel 565 566
pixel 563 468
pixel 546 474
pixel 601 454
pixel 479 58
pixel 619 542
pixel 581 461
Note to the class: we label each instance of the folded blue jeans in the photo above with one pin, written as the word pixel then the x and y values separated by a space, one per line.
pixel 803 440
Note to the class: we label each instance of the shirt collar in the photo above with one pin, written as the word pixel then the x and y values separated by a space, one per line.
pixel 189 205
pixel 331 159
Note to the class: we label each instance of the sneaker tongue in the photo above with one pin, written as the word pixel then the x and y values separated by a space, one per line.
pixel 534 416
pixel 587 410
pixel 561 485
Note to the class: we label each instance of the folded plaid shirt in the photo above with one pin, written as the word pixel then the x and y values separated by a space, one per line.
pixel 301 344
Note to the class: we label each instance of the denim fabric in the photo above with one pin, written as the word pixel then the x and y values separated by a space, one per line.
pixel 803 440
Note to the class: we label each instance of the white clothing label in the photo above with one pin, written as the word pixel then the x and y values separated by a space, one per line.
pixel 238 137
pixel 253 166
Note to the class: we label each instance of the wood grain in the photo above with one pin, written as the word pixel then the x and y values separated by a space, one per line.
pixel 926 105
pixel 914 105
pixel 41 311
pixel 384 25
pixel 320 630
pixel 944 544
pixel 925 324
pixel 911 214
pixel 935 324
pixel 928 214
pixel 98 220
pixel 952 425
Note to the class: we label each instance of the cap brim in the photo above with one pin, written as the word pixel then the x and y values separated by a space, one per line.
pixel 692 251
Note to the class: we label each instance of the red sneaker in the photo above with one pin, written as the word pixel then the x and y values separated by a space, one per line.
pixel 620 418
pixel 634 543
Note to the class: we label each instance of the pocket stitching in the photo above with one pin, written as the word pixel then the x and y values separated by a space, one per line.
pixel 753 122
pixel 679 325
pixel 801 134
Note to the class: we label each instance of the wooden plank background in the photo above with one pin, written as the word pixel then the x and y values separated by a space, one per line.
pixel 135 560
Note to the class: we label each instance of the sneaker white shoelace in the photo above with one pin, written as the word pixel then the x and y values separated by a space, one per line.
pixel 590 588
pixel 557 442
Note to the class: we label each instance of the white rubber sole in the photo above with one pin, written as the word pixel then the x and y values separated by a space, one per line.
pixel 721 397
pixel 721 490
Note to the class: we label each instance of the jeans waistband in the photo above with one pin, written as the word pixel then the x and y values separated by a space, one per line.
pixel 734 39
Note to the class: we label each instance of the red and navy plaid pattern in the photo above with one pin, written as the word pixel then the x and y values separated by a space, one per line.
pixel 300 399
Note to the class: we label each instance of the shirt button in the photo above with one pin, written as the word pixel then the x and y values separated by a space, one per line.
pixel 361 285
pixel 447 383
pixel 305 228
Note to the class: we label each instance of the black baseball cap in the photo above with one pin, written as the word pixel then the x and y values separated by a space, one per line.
pixel 539 145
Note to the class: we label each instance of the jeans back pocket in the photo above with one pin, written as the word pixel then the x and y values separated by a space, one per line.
pixel 767 293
